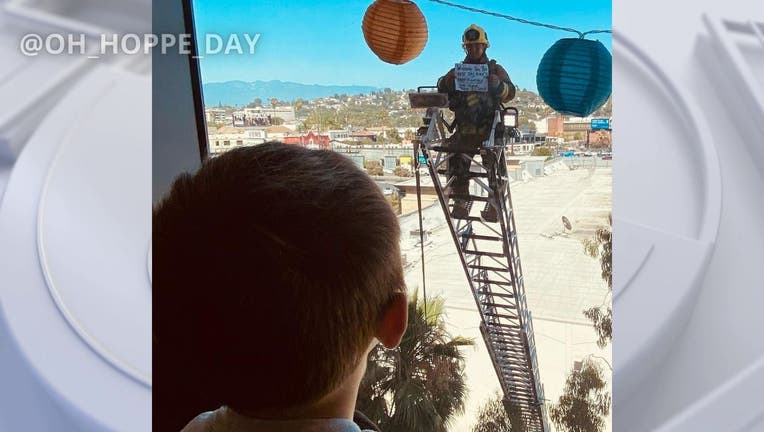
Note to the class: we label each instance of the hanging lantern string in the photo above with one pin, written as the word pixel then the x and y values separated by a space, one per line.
pixel 520 20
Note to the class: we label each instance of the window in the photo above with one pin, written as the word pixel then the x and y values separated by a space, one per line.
pixel 305 118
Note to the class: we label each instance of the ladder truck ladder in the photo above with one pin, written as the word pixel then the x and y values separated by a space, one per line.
pixel 489 253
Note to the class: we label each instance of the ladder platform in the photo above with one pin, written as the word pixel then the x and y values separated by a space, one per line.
pixel 428 100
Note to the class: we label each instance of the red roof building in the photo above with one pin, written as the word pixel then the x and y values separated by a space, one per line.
pixel 310 139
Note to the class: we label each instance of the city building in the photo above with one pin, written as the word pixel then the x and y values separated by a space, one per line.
pixel 575 129
pixel 229 137
pixel 216 115
pixel 309 140
pixel 554 126
pixel 245 118
pixel 338 134
pixel 278 132
pixel 577 124
pixel 380 132
pixel 542 126
pixel 362 135
pixel 522 147
pixel 285 113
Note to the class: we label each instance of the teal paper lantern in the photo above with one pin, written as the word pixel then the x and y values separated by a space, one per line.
pixel 575 76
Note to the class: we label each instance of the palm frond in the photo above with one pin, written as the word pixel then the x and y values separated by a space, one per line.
pixel 421 381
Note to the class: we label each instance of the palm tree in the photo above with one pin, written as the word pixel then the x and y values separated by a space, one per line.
pixel 418 386
pixel 298 103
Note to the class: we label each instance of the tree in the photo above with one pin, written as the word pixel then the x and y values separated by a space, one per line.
pixel 374 168
pixel 524 121
pixel 401 172
pixel 541 151
pixel 298 103
pixel 418 386
pixel 495 416
pixel 274 101
pixel 602 320
pixel 408 135
pixel 393 136
pixel 583 403
pixel 601 246
pixel 321 119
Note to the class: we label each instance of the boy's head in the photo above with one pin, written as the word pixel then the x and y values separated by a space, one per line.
pixel 272 266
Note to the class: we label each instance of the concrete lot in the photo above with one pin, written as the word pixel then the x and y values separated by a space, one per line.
pixel 560 280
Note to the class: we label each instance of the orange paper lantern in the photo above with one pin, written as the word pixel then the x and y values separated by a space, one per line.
pixel 395 30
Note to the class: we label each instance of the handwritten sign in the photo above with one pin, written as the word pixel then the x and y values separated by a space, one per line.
pixel 471 77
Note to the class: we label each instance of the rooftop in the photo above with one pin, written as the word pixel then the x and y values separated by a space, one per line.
pixel 278 129
pixel 229 130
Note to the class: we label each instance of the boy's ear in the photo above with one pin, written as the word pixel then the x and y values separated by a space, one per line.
pixel 392 324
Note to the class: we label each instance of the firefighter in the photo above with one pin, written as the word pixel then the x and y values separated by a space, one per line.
pixel 473 115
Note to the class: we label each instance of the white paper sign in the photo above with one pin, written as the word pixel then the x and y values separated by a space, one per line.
pixel 471 77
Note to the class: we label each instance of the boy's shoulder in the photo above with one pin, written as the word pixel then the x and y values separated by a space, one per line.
pixel 204 422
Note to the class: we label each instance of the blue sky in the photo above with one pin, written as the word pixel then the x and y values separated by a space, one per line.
pixel 321 42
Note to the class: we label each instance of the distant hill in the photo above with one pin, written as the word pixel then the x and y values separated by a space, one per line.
pixel 241 93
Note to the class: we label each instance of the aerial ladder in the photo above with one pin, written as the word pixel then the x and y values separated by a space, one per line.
pixel 488 251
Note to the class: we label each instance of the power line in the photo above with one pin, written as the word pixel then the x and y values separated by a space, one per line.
pixel 520 20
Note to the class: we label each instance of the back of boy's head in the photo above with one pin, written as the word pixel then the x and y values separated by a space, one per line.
pixel 272 264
